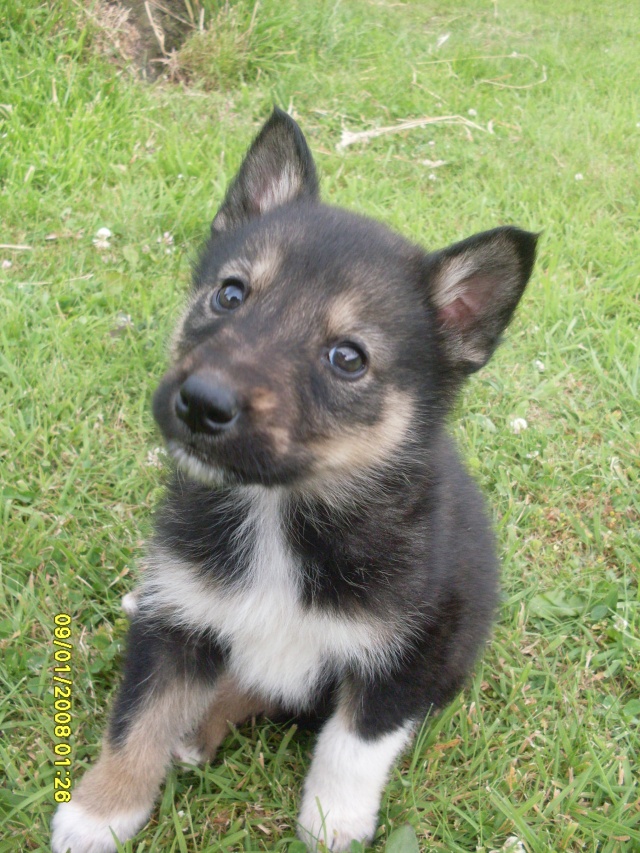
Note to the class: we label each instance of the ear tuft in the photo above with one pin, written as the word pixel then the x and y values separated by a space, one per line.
pixel 475 286
pixel 277 169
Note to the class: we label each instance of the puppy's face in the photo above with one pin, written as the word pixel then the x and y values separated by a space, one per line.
pixel 317 345
pixel 301 353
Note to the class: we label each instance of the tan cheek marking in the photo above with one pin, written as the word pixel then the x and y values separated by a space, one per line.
pixel 273 410
pixel 366 447
pixel 264 402
pixel 264 405
pixel 281 439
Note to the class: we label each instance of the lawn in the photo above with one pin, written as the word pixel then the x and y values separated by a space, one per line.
pixel 542 130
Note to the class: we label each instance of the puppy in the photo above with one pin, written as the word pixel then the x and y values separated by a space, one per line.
pixel 320 545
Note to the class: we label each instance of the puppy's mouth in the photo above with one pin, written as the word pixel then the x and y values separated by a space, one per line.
pixel 196 434
pixel 190 462
pixel 219 438
pixel 230 472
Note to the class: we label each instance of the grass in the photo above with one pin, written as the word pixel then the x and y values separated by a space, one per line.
pixel 543 746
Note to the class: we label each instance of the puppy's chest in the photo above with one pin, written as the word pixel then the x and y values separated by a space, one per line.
pixel 277 644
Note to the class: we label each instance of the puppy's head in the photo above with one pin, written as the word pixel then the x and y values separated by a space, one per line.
pixel 317 345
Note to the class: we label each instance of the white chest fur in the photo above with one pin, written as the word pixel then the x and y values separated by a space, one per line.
pixel 278 647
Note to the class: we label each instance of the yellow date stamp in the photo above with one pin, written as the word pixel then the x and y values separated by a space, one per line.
pixel 62 704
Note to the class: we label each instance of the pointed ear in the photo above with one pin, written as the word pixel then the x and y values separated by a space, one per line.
pixel 277 169
pixel 475 286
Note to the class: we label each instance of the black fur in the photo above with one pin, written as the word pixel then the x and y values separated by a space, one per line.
pixel 199 525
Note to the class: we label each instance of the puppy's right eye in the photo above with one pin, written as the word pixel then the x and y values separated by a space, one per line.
pixel 229 296
pixel 347 360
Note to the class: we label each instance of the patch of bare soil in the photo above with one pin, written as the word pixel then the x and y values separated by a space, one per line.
pixel 143 34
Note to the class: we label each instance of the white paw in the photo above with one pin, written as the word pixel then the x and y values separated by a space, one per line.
pixel 130 604
pixel 74 828
pixel 335 824
pixel 188 753
pixel 342 792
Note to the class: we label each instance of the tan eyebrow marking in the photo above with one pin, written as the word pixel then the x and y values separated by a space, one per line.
pixel 344 314
pixel 347 319
pixel 259 272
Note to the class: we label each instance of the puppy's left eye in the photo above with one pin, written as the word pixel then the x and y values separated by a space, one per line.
pixel 348 360
pixel 229 296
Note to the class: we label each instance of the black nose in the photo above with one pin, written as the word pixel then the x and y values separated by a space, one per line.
pixel 205 406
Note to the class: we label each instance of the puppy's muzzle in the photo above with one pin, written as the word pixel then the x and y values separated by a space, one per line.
pixel 205 405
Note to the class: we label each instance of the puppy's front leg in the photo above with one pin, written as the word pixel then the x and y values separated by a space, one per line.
pixel 342 792
pixel 168 684
pixel 231 705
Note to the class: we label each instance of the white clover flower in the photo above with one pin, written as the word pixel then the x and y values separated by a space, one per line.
pixel 619 623
pixel 103 233
pixel 6 264
pixel 153 457
pixel 514 845
pixel 99 243
pixel 124 321
pixel 518 425
pixel 579 176
pixel 539 365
